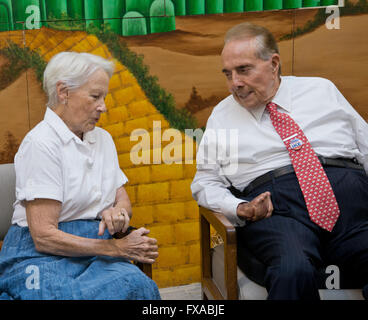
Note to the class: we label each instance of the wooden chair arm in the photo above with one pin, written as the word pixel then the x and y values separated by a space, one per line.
pixel 146 268
pixel 228 233
pixel 221 224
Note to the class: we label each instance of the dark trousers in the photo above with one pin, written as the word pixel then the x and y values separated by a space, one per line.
pixel 293 247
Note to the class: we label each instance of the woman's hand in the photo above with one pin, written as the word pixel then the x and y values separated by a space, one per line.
pixel 115 220
pixel 138 247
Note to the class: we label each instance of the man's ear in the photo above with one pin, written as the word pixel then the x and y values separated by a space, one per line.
pixel 275 62
pixel 62 92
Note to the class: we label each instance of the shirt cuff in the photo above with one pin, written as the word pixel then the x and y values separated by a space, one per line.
pixel 39 192
pixel 229 206
pixel 122 179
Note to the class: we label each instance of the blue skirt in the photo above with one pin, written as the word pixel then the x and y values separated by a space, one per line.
pixel 30 275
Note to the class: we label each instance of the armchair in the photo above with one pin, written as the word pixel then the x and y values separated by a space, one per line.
pixel 7 198
pixel 223 279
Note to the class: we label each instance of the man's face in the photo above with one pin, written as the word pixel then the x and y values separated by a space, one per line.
pixel 252 81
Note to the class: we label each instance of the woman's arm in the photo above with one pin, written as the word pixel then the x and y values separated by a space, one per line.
pixel 42 218
pixel 122 201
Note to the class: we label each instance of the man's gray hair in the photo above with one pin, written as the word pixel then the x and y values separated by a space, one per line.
pixel 73 69
pixel 265 41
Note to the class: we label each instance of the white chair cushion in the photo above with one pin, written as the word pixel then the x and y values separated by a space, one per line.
pixel 247 289
pixel 7 197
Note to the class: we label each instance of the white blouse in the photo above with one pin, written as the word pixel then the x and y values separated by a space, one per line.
pixel 53 163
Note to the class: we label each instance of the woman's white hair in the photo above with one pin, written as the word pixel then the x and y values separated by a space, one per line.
pixel 73 69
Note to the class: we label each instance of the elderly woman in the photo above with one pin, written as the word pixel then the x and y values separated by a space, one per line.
pixel 71 199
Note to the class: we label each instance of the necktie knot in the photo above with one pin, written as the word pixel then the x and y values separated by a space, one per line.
pixel 271 107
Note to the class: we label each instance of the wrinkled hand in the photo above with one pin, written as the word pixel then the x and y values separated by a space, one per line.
pixel 138 247
pixel 259 208
pixel 115 220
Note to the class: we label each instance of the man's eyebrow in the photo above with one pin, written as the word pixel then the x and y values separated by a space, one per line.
pixel 244 66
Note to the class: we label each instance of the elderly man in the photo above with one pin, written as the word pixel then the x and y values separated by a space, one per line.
pixel 299 194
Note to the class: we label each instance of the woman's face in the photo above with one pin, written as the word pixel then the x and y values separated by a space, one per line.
pixel 83 106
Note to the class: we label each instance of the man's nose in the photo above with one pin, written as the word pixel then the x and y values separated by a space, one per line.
pixel 237 80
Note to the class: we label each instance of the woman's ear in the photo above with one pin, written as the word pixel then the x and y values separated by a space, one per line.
pixel 62 92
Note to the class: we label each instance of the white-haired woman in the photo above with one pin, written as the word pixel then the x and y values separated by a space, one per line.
pixel 71 199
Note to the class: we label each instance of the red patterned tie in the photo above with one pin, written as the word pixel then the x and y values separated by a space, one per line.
pixel 317 191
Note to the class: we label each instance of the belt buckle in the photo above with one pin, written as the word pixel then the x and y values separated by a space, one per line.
pixel 322 160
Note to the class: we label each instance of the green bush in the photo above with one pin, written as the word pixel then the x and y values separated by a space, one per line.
pixel 180 119
pixel 66 23
pixel 319 19
pixel 21 59
pixel 360 7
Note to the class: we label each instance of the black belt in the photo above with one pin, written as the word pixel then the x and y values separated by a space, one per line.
pixel 267 177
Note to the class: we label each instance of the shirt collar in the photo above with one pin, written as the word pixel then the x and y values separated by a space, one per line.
pixel 63 131
pixel 90 136
pixel 283 96
pixel 282 99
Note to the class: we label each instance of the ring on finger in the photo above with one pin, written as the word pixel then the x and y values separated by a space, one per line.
pixel 121 212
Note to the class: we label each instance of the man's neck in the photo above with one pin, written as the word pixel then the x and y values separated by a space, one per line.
pixel 274 90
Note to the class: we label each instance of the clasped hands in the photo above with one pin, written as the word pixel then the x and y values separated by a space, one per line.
pixel 136 245
pixel 259 208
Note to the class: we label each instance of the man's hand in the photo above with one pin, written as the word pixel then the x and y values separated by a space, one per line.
pixel 259 208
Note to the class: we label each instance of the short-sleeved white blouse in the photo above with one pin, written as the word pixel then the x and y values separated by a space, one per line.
pixel 53 163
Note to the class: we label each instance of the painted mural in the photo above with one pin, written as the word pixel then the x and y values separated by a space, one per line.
pixel 168 71
pixel 129 17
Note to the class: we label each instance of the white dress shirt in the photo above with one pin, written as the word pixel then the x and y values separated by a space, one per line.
pixel 53 163
pixel 330 123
